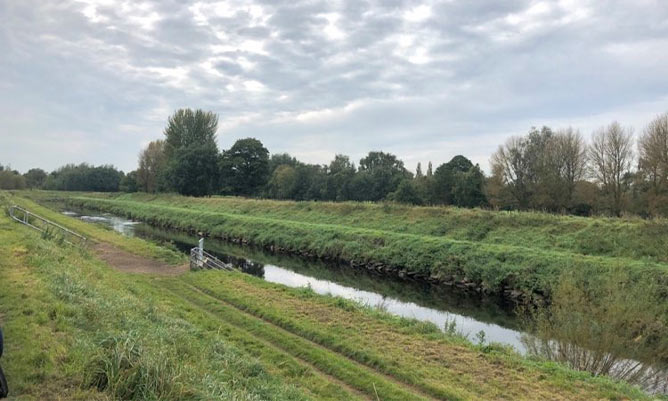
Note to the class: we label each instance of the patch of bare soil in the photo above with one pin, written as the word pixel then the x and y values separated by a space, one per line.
pixel 131 263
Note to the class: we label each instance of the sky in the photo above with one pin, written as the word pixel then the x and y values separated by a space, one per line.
pixel 95 80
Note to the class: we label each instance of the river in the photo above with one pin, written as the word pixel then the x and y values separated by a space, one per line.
pixel 471 314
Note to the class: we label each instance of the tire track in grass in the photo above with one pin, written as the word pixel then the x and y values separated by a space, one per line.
pixel 352 392
pixel 396 389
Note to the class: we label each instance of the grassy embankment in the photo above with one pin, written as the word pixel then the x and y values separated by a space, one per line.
pixel 496 252
pixel 77 329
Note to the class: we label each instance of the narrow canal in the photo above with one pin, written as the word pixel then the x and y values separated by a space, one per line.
pixel 469 314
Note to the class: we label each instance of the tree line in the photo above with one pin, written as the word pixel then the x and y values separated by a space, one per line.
pixel 545 169
pixel 71 177
pixel 187 161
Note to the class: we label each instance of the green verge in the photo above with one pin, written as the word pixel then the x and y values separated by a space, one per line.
pixel 494 268
pixel 75 329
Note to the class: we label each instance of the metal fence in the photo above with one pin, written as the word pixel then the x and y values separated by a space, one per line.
pixel 45 226
pixel 200 259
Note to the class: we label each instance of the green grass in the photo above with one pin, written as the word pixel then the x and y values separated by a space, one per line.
pixel 494 266
pixel 102 334
pixel 631 238
pixel 75 329
pixel 94 231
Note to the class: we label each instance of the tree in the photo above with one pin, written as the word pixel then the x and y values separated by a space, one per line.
pixel 311 182
pixel 407 192
pixel 245 167
pixel 511 162
pixel 539 170
pixel 339 177
pixel 186 128
pixel 418 171
pixel 611 154
pixel 83 177
pixel 129 182
pixel 152 163
pixel 11 179
pixel 571 154
pixel 653 163
pixel 278 159
pixel 35 178
pixel 193 171
pixel 468 190
pixel 385 173
pixel 283 182
pixel 460 183
pixel 444 178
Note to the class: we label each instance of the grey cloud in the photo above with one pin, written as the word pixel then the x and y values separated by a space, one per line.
pixel 457 81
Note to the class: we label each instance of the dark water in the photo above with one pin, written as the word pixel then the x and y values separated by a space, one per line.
pixel 437 305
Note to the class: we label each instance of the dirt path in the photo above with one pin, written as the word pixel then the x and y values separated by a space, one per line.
pixel 130 263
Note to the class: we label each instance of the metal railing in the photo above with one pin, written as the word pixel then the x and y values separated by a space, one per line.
pixel 43 225
pixel 200 259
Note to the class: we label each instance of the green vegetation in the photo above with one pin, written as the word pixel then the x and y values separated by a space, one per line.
pixel 95 232
pixel 494 251
pixel 543 170
pixel 103 334
pixel 77 330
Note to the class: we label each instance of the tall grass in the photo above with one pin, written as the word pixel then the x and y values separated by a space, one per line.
pixel 124 369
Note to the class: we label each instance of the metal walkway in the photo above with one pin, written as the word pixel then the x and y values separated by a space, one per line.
pixel 45 226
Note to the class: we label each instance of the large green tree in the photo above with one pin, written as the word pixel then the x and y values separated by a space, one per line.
pixel 244 167
pixel 187 128
pixel 339 176
pixel 460 183
pixel 385 171
pixel 191 153
pixel 193 171
pixel 152 164
pixel 35 178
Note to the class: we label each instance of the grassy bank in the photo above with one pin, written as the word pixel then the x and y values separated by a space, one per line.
pixel 75 329
pixel 96 333
pixel 519 254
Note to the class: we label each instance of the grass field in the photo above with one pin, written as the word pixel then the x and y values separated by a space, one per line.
pixel 495 252
pixel 77 329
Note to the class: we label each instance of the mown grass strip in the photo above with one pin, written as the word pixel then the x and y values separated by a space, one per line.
pixel 339 366
pixel 412 352
pixel 291 369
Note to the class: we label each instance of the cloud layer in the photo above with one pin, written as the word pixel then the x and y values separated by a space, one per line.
pixel 94 80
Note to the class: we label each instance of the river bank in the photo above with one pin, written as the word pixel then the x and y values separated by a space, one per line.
pixel 523 272
pixel 285 343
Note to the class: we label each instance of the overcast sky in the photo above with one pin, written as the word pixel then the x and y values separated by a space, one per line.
pixel 95 80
